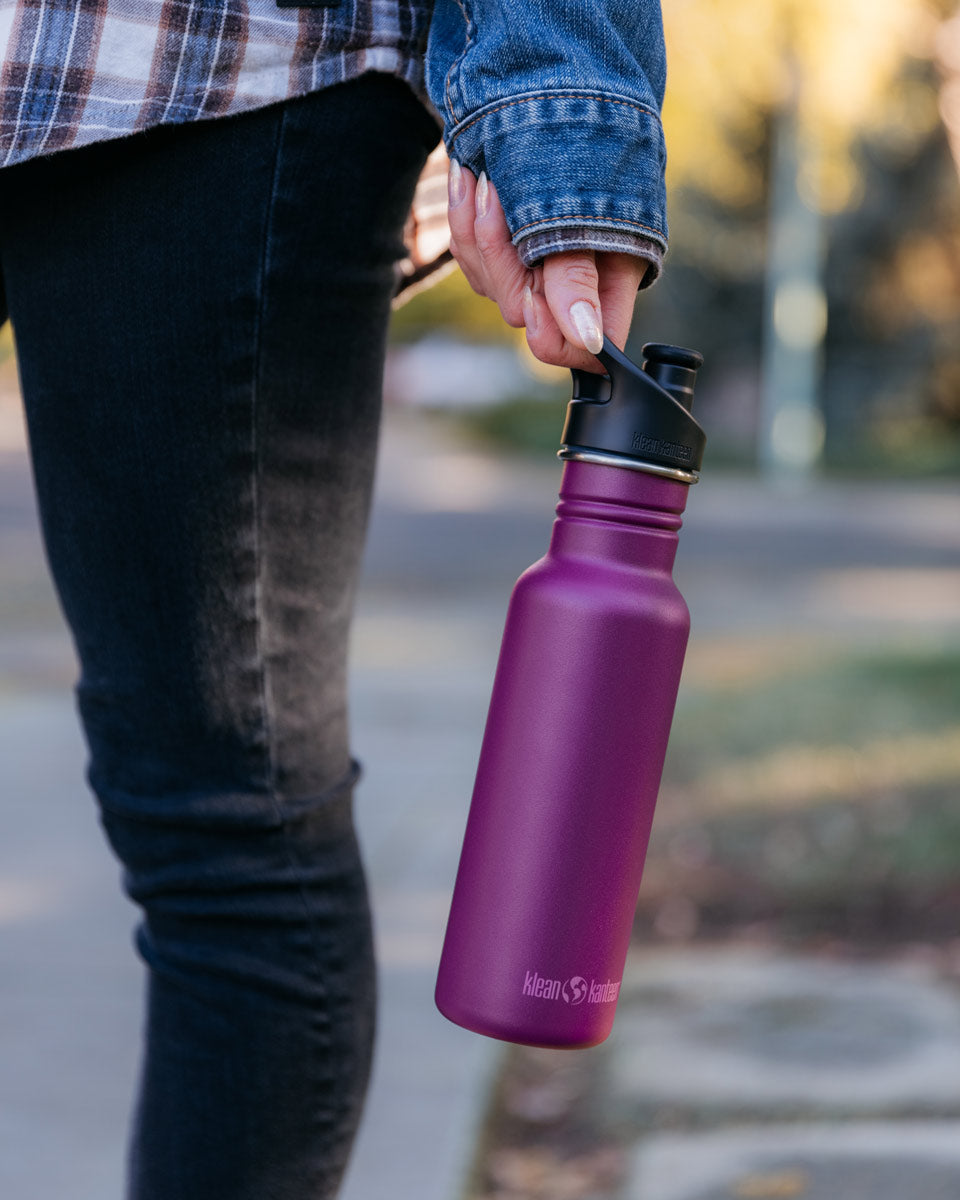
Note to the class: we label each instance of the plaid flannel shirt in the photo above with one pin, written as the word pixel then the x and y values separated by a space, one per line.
pixel 78 71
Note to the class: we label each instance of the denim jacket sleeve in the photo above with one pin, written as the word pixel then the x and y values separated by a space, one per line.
pixel 559 102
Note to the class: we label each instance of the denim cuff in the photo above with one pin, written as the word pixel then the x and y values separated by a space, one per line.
pixel 570 157
pixel 581 237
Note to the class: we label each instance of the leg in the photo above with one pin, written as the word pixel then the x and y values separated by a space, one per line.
pixel 200 314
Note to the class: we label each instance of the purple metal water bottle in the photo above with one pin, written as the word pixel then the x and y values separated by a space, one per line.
pixel 579 718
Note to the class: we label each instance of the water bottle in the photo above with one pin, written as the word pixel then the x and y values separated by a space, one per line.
pixel 579 718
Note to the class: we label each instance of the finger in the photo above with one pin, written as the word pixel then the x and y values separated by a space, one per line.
pixel 571 285
pixel 462 261
pixel 544 337
pixel 547 342
pixel 461 216
pixel 475 280
pixel 620 278
pixel 504 274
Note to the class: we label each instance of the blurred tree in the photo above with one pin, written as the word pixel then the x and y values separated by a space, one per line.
pixel 893 346
pixel 734 62
pixel 861 89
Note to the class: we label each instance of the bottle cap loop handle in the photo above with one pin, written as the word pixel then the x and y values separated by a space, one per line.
pixel 641 414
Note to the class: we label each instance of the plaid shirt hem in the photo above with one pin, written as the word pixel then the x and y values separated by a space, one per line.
pixel 78 72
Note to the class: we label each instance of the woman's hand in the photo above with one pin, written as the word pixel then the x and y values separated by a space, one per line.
pixel 566 303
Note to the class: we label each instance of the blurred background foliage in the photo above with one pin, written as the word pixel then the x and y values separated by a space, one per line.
pixel 869 92
pixel 810 787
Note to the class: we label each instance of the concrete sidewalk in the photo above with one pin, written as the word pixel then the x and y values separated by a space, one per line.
pixel 781 1076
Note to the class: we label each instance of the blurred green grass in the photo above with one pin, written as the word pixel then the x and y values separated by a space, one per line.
pixel 810 792
pixel 813 695
pixel 526 424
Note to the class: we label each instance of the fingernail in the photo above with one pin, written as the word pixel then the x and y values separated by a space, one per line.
pixel 483 194
pixel 529 311
pixel 585 321
pixel 456 190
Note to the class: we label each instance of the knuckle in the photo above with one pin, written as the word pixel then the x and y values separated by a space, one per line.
pixel 460 230
pixel 579 272
pixel 487 240
pixel 582 275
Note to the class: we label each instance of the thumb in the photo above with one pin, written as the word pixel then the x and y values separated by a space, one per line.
pixel 571 288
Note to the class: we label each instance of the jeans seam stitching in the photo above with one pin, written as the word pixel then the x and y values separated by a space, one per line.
pixel 258 607
pixel 259 613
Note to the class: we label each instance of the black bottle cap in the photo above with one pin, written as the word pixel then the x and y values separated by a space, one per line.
pixel 639 414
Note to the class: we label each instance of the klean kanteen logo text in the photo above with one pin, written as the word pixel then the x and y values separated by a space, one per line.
pixel 575 990
pixel 653 445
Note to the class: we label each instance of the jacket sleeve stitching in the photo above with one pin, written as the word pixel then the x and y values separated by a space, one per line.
pixel 554 96
pixel 590 219
pixel 461 4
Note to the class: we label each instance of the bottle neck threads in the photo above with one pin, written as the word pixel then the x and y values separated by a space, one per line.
pixel 623 516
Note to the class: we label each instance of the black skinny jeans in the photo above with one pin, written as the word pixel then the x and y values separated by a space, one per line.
pixel 200 314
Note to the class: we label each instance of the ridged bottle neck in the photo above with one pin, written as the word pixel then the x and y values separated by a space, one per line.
pixel 620 515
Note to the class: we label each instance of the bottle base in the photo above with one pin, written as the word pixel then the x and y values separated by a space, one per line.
pixel 520 1031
